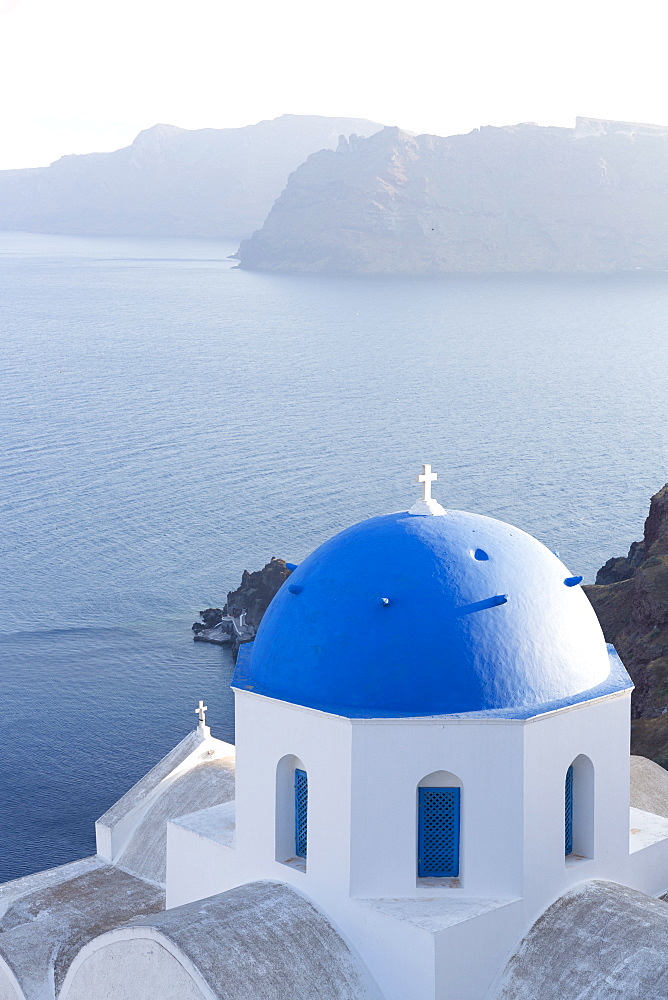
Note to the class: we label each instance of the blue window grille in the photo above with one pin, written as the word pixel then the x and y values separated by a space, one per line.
pixel 301 812
pixel 438 832
pixel 569 811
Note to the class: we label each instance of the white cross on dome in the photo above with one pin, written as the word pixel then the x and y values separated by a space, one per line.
pixel 427 478
pixel 426 504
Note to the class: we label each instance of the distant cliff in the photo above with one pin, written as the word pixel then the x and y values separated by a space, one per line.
pixel 631 600
pixel 170 181
pixel 521 198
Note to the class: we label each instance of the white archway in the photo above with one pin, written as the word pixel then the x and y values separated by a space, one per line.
pixel 137 964
pixel 285 821
pixel 582 833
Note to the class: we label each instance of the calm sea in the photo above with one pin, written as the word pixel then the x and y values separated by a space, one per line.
pixel 168 420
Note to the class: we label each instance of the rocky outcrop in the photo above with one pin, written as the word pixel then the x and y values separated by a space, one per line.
pixel 521 198
pixel 238 621
pixel 170 181
pixel 257 590
pixel 621 567
pixel 210 618
pixel 631 600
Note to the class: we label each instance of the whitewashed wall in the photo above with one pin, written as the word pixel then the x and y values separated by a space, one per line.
pixel 444 939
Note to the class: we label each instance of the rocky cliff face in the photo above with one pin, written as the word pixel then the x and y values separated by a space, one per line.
pixel 170 181
pixel 522 198
pixel 631 600
pixel 257 590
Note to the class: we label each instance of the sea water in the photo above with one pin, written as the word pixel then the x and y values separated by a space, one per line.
pixel 168 420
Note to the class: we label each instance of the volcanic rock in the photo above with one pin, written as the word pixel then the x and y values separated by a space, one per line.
pixel 210 618
pixel 633 611
pixel 257 590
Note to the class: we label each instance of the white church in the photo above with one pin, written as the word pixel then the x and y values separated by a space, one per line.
pixel 430 798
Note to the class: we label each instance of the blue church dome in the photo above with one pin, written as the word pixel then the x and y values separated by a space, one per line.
pixel 414 614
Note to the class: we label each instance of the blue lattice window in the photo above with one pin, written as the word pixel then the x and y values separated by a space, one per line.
pixel 301 812
pixel 569 811
pixel 438 832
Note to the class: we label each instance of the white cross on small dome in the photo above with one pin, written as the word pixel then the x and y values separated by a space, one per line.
pixel 427 478
pixel 426 504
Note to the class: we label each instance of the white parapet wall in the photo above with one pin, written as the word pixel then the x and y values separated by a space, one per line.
pixel 114 829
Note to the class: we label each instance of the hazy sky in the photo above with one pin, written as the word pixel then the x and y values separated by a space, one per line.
pixel 83 75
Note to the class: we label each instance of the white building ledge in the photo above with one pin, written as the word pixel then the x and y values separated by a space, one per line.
pixel 216 823
pixel 299 864
pixel 646 829
pixel 572 860
pixel 435 913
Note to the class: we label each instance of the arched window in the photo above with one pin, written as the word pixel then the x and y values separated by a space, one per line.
pixel 439 819
pixel 291 811
pixel 579 809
